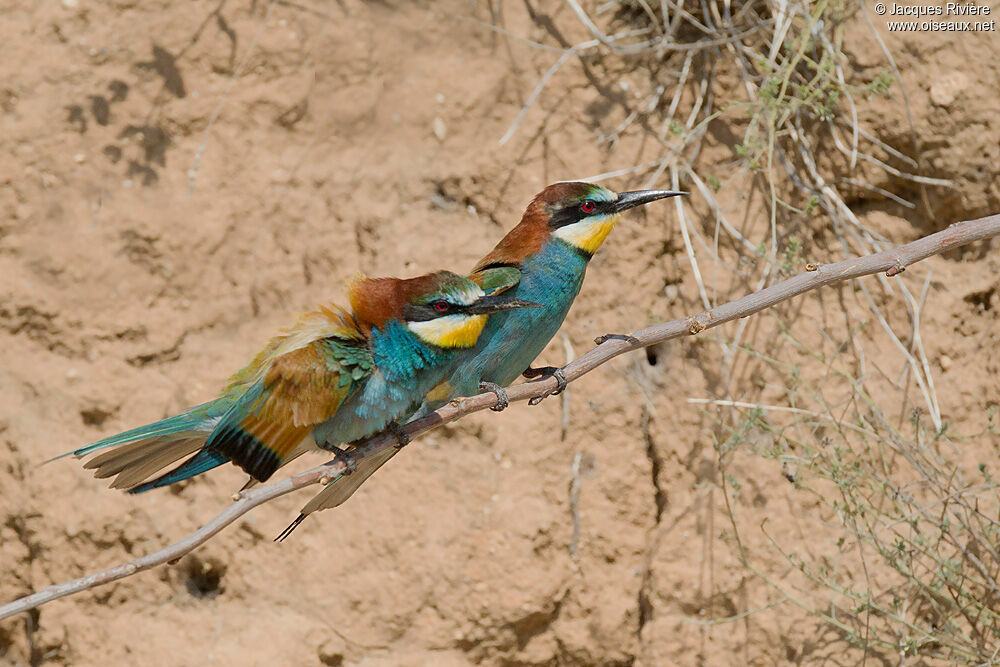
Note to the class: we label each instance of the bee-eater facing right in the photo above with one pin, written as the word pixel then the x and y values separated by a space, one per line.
pixel 546 257
pixel 542 260
pixel 333 378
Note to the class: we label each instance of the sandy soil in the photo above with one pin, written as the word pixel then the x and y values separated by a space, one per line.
pixel 177 182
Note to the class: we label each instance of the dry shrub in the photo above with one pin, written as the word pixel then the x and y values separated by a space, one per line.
pixel 906 560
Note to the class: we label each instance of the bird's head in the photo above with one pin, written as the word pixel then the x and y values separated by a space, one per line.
pixel 583 214
pixel 442 309
pixel 580 214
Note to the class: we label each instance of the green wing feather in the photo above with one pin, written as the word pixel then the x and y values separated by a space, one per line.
pixel 300 380
pixel 497 279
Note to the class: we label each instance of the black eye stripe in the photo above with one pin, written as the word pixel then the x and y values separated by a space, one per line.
pixel 567 215
pixel 424 313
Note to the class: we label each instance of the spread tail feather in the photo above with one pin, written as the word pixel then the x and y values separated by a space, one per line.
pixel 339 490
pixel 138 453
pixel 199 418
pixel 204 460
pixel 134 462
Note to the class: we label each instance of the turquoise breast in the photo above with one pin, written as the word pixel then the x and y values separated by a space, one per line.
pixel 405 370
pixel 512 340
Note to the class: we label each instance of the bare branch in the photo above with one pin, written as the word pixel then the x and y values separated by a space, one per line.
pixel 892 262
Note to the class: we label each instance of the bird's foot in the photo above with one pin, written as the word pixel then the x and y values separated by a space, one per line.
pixel 343 456
pixel 402 437
pixel 613 336
pixel 547 371
pixel 502 401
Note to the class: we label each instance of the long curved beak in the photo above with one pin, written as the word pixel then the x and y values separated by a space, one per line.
pixel 497 302
pixel 627 200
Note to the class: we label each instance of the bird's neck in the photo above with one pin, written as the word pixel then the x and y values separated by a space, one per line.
pixel 553 274
pixel 400 355
pixel 561 256
pixel 589 234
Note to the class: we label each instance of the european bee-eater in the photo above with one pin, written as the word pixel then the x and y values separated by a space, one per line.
pixel 543 260
pixel 333 378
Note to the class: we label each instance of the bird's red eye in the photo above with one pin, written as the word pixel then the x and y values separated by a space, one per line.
pixel 440 306
pixel 587 206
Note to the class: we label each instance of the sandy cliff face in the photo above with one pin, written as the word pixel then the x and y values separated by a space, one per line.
pixel 177 182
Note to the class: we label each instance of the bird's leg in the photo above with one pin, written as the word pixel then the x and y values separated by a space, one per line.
pixel 341 455
pixel 546 371
pixel 613 336
pixel 345 457
pixel 502 401
pixel 402 437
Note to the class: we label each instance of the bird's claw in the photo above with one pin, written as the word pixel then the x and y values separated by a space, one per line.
pixel 345 457
pixel 502 400
pixel 547 371
pixel 613 336
pixel 402 437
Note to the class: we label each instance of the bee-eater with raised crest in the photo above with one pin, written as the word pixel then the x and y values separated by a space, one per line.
pixel 333 378
pixel 542 260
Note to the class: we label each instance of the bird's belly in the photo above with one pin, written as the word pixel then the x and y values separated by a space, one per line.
pixel 523 334
pixel 379 402
pixel 520 340
pixel 513 339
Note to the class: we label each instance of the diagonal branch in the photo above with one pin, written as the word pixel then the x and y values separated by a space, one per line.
pixel 892 262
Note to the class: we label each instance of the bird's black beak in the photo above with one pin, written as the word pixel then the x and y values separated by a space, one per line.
pixel 627 200
pixel 497 302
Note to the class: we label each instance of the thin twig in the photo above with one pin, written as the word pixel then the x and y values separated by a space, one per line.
pixel 686 235
pixel 564 402
pixel 892 262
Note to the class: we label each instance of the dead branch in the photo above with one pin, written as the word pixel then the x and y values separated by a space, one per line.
pixel 892 262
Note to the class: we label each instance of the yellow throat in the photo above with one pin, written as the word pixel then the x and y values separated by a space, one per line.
pixel 450 331
pixel 588 235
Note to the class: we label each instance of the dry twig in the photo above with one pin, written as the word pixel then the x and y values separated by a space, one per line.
pixel 892 262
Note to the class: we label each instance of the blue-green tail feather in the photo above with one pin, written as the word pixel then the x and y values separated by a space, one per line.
pixel 204 460
pixel 189 420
